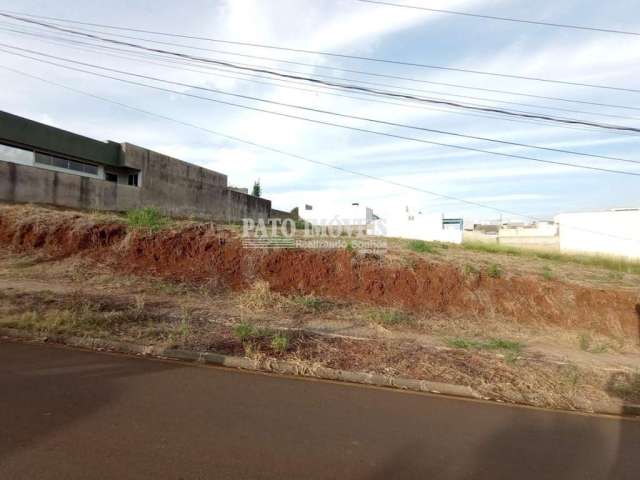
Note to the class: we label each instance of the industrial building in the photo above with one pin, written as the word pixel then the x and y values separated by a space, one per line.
pixel 43 164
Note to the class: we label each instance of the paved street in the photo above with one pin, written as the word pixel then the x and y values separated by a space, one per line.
pixel 80 415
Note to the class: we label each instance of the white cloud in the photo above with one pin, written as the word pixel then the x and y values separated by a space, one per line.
pixel 352 27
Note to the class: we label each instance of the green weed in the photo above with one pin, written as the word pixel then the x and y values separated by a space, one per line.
pixel 147 218
pixel 420 246
pixel 245 331
pixel 309 303
pixel 495 271
pixel 586 342
pixel 279 343
pixel 389 317
pixel 492 344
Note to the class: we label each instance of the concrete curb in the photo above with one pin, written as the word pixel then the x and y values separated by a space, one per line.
pixel 282 367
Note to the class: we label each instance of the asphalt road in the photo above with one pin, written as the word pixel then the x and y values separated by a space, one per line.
pixel 68 414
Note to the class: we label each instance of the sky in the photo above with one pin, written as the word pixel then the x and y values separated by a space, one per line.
pixel 533 189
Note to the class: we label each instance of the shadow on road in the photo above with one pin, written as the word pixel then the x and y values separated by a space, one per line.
pixel 567 447
pixel 45 389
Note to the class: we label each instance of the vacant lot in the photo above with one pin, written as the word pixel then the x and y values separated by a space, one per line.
pixel 517 327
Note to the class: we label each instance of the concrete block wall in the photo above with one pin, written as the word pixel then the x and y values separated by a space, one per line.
pixel 26 184
pixel 182 189
pixel 175 187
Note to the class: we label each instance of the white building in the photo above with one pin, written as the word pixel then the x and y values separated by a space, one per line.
pixel 352 214
pixel 405 223
pixel 612 232
pixel 418 226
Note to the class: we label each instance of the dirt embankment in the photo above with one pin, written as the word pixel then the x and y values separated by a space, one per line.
pixel 204 254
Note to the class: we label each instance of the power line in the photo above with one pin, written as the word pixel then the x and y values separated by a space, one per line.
pixel 271 149
pixel 297 106
pixel 360 72
pixel 39 35
pixel 322 90
pixel 326 112
pixel 321 122
pixel 346 86
pixel 504 19
pixel 309 160
pixel 316 52
pixel 142 56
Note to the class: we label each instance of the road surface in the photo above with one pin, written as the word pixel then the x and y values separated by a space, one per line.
pixel 69 414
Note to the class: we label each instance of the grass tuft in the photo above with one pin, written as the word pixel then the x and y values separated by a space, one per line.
pixel 309 303
pixel 587 344
pixel 470 270
pixel 492 344
pixel 260 297
pixel 147 218
pixel 495 271
pixel 245 331
pixel 420 246
pixel 547 274
pixel 390 317
pixel 279 343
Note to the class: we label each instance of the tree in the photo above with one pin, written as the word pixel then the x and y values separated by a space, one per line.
pixel 257 190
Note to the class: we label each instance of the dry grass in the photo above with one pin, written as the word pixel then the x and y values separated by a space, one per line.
pixel 616 264
pixel 260 298
pixel 389 317
pixel 489 352
pixel 501 377
pixel 587 270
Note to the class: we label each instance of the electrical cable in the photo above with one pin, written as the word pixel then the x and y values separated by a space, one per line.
pixel 504 19
pixel 460 147
pixel 313 161
pixel 337 55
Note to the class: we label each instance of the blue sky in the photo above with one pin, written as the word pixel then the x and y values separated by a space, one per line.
pixel 355 28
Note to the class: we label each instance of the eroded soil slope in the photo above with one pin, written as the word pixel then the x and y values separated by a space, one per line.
pixel 206 254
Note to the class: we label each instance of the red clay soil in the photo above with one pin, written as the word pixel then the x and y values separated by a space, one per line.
pixel 206 255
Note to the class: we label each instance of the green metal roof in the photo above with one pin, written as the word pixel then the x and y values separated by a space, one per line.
pixel 38 136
